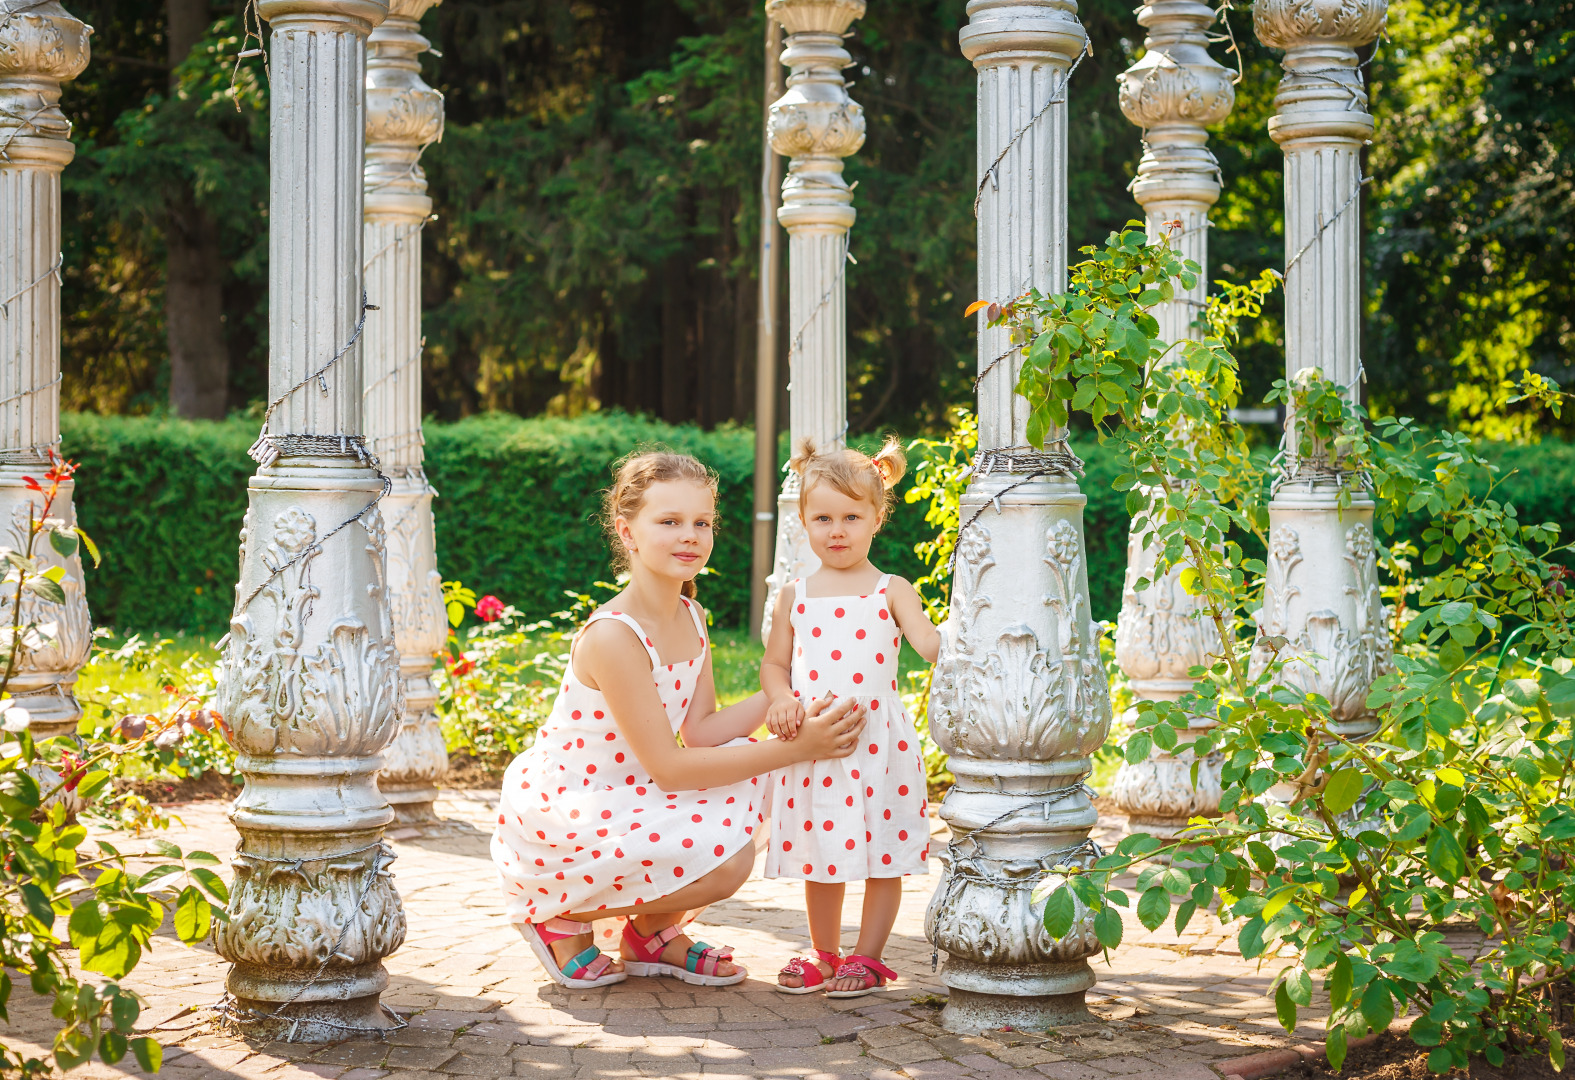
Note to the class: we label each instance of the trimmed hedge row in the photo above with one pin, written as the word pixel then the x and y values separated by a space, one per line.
pixel 517 508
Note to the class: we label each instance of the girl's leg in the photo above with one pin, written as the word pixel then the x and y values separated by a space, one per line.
pixel 823 903
pixel 882 898
pixel 718 885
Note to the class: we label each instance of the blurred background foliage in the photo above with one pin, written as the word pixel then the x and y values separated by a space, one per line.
pixel 597 199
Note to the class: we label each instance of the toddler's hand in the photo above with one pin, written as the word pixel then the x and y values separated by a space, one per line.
pixel 784 716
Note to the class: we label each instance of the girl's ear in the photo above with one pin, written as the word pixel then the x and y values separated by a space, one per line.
pixel 625 533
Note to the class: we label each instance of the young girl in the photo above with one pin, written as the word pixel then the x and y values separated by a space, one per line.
pixel 864 817
pixel 606 814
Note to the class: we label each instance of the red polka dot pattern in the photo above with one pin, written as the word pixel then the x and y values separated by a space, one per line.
pixel 544 863
pixel 866 815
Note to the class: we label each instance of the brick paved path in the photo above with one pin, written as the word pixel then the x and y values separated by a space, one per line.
pixel 478 1005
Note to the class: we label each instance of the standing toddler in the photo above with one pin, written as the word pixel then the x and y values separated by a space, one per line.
pixel 864 817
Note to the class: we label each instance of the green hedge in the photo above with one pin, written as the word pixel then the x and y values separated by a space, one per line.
pixel 516 512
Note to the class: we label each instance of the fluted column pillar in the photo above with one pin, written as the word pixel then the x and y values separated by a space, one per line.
pixel 41 46
pixel 1322 603
pixel 814 125
pixel 1020 699
pixel 404 115
pixel 1173 93
pixel 309 683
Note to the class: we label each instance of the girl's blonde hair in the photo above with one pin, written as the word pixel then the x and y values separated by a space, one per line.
pixel 854 474
pixel 632 478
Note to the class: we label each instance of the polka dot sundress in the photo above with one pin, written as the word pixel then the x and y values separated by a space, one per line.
pixel 582 827
pixel 866 815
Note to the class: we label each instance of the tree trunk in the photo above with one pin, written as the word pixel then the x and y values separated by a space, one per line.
pixel 194 314
pixel 194 272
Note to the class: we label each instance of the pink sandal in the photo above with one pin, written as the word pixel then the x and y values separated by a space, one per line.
pixel 873 972
pixel 806 970
pixel 700 963
pixel 584 970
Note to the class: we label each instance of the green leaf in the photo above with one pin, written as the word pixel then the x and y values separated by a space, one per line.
pixel 38 904
pixel 165 848
pixel 1440 1060
pixel 1344 788
pixel 1250 937
pixel 193 916
pixel 1298 984
pixel 64 542
pixel 1338 982
pixel 1108 927
pixel 1334 1046
pixel 1378 1008
pixel 86 923
pixel 124 1011
pixel 1153 906
pixel 211 882
pixel 150 1055
pixel 93 783
pixel 116 949
pixel 1556 1048
pixel 87 542
pixel 1285 1008
pixel 1445 857
pixel 1060 911
pixel 1176 881
pixel 46 590
pixel 1455 613
pixel 1184 912
pixel 112 1046
pixel 1277 901
pixel 1262 854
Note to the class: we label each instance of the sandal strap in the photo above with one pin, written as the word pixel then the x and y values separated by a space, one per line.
pixel 866 969
pixel 588 963
pixel 650 948
pixel 557 929
pixel 827 958
pixel 708 957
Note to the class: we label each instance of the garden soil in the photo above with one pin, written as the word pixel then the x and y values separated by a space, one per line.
pixel 1396 1057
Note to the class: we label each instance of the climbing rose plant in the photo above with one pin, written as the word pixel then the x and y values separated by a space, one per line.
pixel 1427 869
pixel 57 889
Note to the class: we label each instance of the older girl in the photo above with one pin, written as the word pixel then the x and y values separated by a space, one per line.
pixel 607 814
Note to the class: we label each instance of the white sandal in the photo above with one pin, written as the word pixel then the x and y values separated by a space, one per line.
pixel 583 971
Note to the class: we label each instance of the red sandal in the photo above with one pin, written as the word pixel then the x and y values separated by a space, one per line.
pixel 874 973
pixel 585 970
pixel 805 969
pixel 700 963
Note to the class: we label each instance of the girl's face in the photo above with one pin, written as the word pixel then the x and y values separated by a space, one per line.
pixel 672 534
pixel 840 528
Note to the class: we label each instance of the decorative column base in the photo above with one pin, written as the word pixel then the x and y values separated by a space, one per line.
pixel 1020 701
pixel 45 678
pixel 311 689
pixel 1159 797
pixel 417 760
pixel 1322 608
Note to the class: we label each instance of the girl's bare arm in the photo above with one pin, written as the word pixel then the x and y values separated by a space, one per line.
pixel 908 610
pixel 706 725
pixel 609 657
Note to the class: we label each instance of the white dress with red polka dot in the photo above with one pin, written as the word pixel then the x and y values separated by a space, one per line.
pixel 582 827
pixel 866 815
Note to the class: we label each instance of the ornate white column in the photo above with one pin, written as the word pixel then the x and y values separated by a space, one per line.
pixel 310 678
pixel 1322 604
pixel 404 115
pixel 814 125
pixel 1173 93
pixel 1020 698
pixel 41 46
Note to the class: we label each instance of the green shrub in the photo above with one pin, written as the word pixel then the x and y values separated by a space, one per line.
pixel 516 510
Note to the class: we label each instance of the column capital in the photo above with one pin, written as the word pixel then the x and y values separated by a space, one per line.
pixel 403 116
pixel 357 16
pixel 1174 93
pixel 815 124
pixel 1322 95
pixel 41 46
pixel 1009 31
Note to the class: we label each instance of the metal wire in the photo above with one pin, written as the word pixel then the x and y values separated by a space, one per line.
pixel 1058 97
pixel 52 272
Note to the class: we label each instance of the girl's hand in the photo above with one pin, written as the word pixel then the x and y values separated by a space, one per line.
pixel 831 729
pixel 784 717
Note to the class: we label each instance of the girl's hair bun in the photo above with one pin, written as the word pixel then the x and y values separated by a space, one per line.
pixel 852 472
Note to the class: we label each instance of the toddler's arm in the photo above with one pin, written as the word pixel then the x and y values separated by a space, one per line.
pixel 908 610
pixel 783 711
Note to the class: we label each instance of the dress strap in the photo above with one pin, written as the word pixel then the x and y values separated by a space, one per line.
pixel 694 613
pixel 629 621
pixel 880 586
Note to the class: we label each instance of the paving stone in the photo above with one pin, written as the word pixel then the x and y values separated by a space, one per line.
pixel 471 1065
pixel 429 1058
pixel 906 1053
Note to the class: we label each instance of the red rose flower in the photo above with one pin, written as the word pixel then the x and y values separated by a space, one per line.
pixel 489 608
